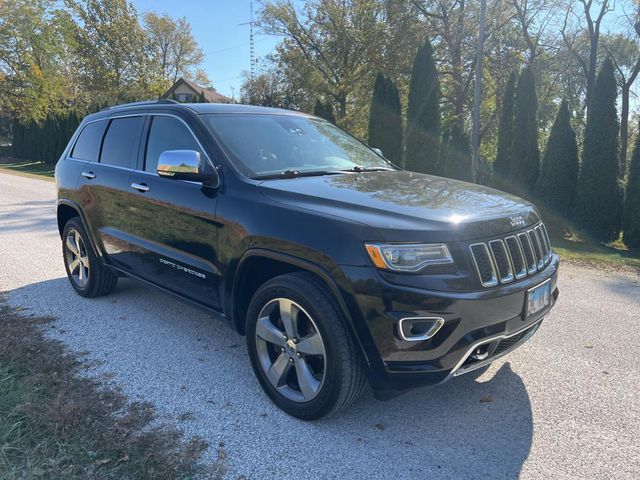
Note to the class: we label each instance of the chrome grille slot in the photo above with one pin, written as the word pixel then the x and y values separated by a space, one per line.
pixel 484 264
pixel 543 243
pixel 502 260
pixel 528 252
pixel 517 257
pixel 537 248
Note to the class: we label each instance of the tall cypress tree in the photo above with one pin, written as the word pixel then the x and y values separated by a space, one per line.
pixel 456 155
pixel 559 173
pixel 598 208
pixel 423 115
pixel 324 110
pixel 385 120
pixel 525 162
pixel 377 113
pixel 631 219
pixel 393 144
pixel 504 156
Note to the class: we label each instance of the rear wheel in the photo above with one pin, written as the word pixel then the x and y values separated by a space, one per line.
pixel 300 348
pixel 87 274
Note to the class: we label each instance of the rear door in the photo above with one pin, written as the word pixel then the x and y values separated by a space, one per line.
pixel 174 221
pixel 104 188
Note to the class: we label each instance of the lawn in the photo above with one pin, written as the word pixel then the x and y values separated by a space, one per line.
pixel 27 167
pixel 55 423
pixel 575 247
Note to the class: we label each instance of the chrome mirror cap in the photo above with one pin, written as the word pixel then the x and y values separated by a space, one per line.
pixel 179 163
pixel 186 165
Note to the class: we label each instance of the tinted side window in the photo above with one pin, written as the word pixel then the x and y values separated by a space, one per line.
pixel 88 143
pixel 167 133
pixel 120 141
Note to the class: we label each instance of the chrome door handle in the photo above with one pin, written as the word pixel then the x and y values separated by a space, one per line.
pixel 89 175
pixel 141 187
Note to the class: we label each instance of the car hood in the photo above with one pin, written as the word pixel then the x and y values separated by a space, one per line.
pixel 407 206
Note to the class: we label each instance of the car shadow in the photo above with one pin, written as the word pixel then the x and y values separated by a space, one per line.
pixel 158 349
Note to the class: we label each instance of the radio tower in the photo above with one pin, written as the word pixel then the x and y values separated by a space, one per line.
pixel 252 51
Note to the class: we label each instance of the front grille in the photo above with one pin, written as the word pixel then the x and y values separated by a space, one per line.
pixel 502 260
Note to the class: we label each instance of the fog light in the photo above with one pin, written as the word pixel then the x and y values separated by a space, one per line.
pixel 417 329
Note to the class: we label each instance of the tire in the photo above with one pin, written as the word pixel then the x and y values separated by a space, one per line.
pixel 329 366
pixel 86 272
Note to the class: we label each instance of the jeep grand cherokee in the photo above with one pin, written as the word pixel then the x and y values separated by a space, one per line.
pixel 338 266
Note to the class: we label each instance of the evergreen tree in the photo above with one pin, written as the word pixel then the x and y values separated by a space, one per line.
pixel 377 112
pixel 525 161
pixel 324 110
pixel 201 98
pixel 559 172
pixel 598 207
pixel 631 220
pixel 385 120
pixel 423 115
pixel 504 156
pixel 393 145
pixel 456 155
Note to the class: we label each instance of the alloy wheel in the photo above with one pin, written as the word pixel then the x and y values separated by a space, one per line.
pixel 290 350
pixel 77 258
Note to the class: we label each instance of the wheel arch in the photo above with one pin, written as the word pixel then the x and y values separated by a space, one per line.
pixel 65 211
pixel 267 264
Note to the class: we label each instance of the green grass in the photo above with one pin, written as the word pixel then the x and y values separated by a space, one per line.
pixel 29 167
pixel 57 424
pixel 575 247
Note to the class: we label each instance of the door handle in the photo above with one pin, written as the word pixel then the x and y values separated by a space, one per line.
pixel 141 187
pixel 89 175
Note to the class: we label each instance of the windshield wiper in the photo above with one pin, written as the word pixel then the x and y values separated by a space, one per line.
pixel 359 168
pixel 298 173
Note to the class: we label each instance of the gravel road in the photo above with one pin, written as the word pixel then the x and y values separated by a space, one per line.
pixel 564 406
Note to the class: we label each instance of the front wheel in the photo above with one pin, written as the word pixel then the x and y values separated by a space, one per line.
pixel 300 348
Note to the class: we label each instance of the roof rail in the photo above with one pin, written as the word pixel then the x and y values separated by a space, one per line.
pixel 145 102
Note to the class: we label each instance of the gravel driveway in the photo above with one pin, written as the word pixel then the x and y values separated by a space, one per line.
pixel 565 405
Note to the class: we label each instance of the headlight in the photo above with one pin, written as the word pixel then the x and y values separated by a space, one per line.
pixel 408 257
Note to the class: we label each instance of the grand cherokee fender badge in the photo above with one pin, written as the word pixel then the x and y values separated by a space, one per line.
pixel 517 221
pixel 181 268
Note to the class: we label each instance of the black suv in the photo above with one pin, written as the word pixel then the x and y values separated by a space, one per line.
pixel 339 267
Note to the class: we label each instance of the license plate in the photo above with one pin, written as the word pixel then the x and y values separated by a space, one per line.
pixel 538 298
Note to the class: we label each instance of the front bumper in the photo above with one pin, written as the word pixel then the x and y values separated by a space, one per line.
pixel 471 319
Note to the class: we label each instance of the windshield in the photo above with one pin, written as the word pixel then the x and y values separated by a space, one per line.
pixel 272 145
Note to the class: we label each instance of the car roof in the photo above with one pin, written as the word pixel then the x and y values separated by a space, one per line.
pixel 197 108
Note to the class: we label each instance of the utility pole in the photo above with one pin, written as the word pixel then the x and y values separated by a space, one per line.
pixel 477 94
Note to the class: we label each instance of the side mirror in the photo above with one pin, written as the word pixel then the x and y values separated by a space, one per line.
pixel 378 151
pixel 184 165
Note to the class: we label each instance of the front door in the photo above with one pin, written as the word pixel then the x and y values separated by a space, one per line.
pixel 174 220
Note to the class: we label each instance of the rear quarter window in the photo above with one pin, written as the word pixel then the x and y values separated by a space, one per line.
pixel 88 143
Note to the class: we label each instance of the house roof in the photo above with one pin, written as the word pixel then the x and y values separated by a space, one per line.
pixel 210 95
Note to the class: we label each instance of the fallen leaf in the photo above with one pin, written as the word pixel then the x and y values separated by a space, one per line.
pixel 104 461
pixel 486 399
pixel 379 426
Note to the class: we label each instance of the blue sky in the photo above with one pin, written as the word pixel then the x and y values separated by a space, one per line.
pixel 215 27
